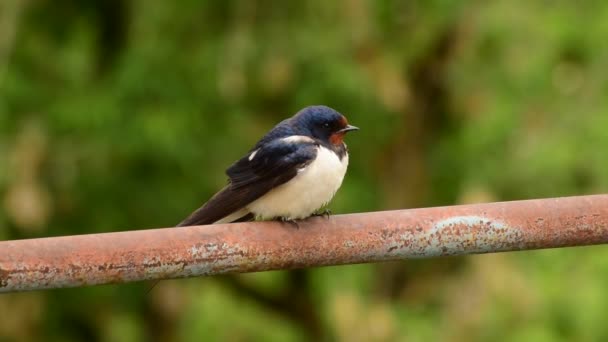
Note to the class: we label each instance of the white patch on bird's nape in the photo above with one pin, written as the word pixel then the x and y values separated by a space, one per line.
pixel 298 139
pixel 252 155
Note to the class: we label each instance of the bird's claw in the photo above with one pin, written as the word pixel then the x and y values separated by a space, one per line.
pixel 325 212
pixel 290 221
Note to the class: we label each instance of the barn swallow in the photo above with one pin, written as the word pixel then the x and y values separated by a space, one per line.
pixel 293 171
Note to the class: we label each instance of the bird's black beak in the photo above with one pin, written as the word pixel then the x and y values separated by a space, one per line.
pixel 348 128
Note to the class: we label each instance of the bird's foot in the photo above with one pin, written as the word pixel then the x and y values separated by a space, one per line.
pixel 325 212
pixel 290 221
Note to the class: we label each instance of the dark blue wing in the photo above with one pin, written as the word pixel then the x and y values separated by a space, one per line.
pixel 274 163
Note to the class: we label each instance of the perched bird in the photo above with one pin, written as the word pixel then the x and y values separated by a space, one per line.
pixel 292 172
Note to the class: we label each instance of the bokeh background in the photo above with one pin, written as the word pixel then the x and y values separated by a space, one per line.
pixel 123 114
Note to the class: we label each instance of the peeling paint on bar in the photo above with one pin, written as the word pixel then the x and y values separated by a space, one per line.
pixel 82 260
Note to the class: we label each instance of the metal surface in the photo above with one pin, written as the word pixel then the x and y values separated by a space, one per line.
pixel 344 239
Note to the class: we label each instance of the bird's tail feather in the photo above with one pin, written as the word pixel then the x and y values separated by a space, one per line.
pixel 224 207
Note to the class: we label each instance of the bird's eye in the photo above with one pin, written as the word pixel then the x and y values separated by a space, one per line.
pixel 326 125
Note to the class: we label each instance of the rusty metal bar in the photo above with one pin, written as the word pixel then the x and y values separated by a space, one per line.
pixel 344 239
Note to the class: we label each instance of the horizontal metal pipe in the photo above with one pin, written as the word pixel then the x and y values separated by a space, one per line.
pixel 343 239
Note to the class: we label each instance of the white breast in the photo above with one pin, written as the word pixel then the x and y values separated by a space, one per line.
pixel 313 187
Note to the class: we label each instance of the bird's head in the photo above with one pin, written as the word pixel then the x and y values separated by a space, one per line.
pixel 323 123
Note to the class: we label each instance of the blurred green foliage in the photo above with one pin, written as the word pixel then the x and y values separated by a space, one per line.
pixel 120 114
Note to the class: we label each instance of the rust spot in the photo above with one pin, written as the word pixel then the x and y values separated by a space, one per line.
pixel 386 233
pixel 3 277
